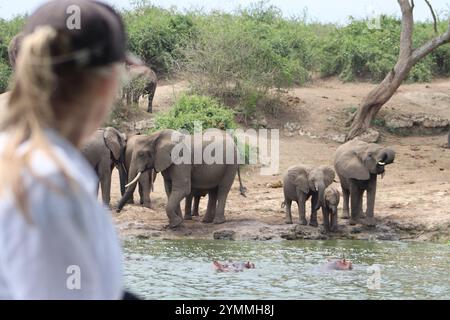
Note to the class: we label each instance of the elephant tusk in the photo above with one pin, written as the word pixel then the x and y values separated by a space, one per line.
pixel 381 163
pixel 134 180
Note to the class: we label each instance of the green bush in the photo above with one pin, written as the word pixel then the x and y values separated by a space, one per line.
pixel 189 109
pixel 157 34
pixel 239 58
pixel 5 73
pixel 355 51
pixel 209 112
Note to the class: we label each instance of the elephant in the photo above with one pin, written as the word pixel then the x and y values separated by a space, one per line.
pixel 357 165
pixel 104 151
pixel 330 209
pixel 147 179
pixel 143 81
pixel 173 154
pixel 299 184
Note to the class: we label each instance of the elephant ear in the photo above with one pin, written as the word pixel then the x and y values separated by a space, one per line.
pixel 299 177
pixel 165 142
pixel 112 141
pixel 328 175
pixel 349 165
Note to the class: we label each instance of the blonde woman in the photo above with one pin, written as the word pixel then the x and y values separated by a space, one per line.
pixel 56 240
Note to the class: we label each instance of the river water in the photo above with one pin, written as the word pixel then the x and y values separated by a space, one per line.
pixel 182 269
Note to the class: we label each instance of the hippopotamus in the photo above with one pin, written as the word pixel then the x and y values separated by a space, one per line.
pixel 232 266
pixel 337 264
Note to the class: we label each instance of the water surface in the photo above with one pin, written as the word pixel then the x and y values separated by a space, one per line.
pixel 182 269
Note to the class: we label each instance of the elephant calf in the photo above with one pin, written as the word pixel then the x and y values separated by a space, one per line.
pixel 358 164
pixel 330 209
pixel 299 184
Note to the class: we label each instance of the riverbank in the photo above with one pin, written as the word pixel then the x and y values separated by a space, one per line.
pixel 413 199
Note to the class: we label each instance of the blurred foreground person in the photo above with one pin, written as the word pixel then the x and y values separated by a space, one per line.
pixel 56 240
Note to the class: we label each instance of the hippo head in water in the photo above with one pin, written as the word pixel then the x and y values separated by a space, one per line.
pixel 343 265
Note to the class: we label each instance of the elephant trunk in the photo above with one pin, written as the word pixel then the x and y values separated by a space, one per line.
pixel 131 187
pixel 389 156
pixel 122 177
pixel 321 197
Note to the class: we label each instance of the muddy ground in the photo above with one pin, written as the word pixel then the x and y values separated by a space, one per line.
pixel 413 199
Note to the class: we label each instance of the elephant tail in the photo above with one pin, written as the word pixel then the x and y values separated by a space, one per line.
pixel 242 189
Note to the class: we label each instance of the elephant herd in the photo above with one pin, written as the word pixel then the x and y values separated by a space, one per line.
pixel 139 158
pixel 357 164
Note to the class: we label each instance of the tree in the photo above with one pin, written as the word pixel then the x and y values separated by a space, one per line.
pixel 407 58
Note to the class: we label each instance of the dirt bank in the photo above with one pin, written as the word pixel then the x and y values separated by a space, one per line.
pixel 413 199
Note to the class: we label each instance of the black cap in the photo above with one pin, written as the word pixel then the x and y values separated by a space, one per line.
pixel 95 32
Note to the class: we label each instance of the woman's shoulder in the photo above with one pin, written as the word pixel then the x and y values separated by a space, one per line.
pixel 66 160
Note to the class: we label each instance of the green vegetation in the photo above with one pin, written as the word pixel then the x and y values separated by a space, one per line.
pixel 243 59
pixel 207 112
pixel 193 108
pixel 8 29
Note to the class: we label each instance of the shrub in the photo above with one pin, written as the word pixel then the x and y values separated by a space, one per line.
pixel 355 51
pixel 189 109
pixel 5 73
pixel 239 58
pixel 156 34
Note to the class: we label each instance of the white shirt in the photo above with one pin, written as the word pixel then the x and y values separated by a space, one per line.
pixel 71 249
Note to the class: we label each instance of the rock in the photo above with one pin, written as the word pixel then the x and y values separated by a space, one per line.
pixel 421 123
pixel 355 230
pixel 337 137
pixel 144 125
pixel 289 236
pixel 260 122
pixel 292 126
pixel 274 185
pixel 370 136
pixel 224 235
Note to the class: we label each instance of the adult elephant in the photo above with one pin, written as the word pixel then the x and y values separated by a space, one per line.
pixel 358 164
pixel 301 183
pixel 175 156
pixel 147 178
pixel 143 81
pixel 104 151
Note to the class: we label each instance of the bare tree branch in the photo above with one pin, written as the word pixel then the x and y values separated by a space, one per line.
pixel 433 14
pixel 407 29
pixel 407 58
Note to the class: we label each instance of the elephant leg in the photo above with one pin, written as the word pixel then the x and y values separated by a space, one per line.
pixel 173 208
pixel 222 193
pixel 105 182
pixel 355 201
pixel 301 209
pixel 346 196
pixel 326 218
pixel 188 207
pixel 151 95
pixel 288 218
pixel 196 205
pixel 334 223
pixel 211 209
pixel 371 193
pixel 313 218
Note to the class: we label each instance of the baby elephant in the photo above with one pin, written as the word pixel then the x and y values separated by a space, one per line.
pixel 329 209
pixel 299 184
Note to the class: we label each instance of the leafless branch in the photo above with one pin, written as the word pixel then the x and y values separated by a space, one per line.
pixel 433 14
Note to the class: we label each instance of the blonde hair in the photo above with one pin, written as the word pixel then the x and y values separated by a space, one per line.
pixel 37 100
